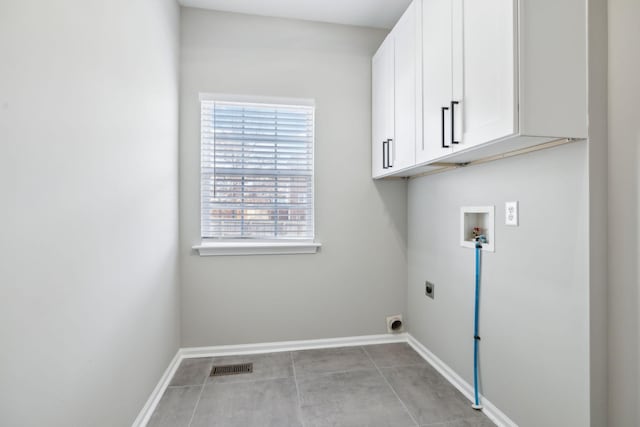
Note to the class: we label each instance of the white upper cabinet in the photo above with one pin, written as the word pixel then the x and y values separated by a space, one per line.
pixel 469 75
pixel 396 99
pixel 492 76
pixel 382 108
pixel 408 126
pixel 484 76
pixel 436 80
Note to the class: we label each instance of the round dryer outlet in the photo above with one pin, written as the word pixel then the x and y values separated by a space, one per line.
pixel 395 324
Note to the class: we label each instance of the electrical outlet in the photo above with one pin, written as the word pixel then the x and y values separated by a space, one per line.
pixel 429 289
pixel 511 213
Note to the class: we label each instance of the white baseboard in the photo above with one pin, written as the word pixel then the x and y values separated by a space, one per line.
pixel 465 388
pixel 273 347
pixel 150 406
pixel 489 409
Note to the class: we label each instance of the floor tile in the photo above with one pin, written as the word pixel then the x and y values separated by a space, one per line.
pixel 265 366
pixel 338 387
pixel 329 360
pixel 479 421
pixel 356 398
pixel 269 403
pixel 428 395
pixel 393 355
pixel 192 372
pixel 176 407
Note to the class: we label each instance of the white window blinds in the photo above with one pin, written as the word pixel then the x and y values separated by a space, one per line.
pixel 256 170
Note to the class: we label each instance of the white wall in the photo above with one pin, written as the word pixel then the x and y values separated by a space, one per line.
pixel 624 233
pixel 534 319
pixel 88 224
pixel 359 276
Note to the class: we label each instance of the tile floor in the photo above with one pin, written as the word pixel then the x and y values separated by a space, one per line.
pixel 373 386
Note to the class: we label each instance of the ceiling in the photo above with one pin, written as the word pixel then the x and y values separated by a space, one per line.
pixel 366 13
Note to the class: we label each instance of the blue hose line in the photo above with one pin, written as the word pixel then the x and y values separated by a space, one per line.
pixel 476 338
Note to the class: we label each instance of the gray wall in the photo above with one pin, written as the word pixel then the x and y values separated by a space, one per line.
pixel 88 235
pixel 624 233
pixel 359 276
pixel 534 319
pixel 598 210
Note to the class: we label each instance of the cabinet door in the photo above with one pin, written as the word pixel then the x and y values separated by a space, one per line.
pixel 406 39
pixel 484 71
pixel 436 80
pixel 382 93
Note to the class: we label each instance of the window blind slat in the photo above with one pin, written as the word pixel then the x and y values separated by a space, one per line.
pixel 256 148
pixel 256 171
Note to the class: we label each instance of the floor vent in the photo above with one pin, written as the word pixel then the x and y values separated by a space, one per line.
pixel 242 368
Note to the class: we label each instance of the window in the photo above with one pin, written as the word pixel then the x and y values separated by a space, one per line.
pixel 256 170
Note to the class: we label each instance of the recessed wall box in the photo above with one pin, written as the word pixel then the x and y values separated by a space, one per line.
pixel 477 223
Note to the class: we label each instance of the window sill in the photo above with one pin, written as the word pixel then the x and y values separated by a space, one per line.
pixel 256 248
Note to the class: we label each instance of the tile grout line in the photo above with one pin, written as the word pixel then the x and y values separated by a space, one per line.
pixel 442 423
pixel 328 373
pixel 182 386
pixel 204 382
pixel 295 381
pixel 391 387
pixel 241 381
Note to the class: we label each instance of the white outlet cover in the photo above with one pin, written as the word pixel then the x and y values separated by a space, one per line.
pixel 511 213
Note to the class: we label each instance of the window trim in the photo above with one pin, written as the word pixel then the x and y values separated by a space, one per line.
pixel 256 247
pixel 212 246
pixel 250 99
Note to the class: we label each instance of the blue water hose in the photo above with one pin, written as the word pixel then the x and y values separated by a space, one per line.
pixel 476 337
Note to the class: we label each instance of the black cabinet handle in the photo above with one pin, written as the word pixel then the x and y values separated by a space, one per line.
pixel 389 142
pixel 453 125
pixel 444 109
pixel 384 154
